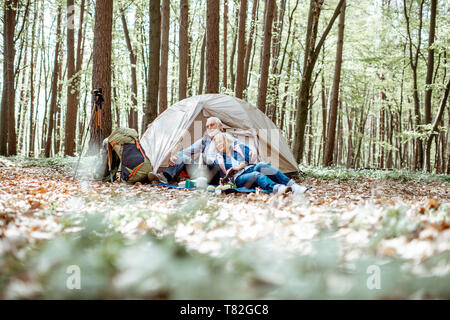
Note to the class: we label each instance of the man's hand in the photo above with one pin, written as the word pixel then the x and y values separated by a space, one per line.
pixel 231 171
pixel 253 156
pixel 172 160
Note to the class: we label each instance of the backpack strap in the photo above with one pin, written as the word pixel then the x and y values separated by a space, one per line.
pixel 138 146
pixel 133 172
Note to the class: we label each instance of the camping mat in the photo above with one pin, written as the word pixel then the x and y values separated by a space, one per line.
pixel 226 191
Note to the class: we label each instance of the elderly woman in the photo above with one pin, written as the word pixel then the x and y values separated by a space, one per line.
pixel 233 161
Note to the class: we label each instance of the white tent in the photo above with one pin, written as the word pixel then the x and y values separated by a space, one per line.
pixel 184 123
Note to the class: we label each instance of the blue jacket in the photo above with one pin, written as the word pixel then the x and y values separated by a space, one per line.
pixel 241 153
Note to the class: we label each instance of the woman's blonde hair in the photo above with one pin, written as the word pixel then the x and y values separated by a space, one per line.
pixel 227 141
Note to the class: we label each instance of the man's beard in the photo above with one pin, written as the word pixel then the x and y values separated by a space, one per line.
pixel 212 133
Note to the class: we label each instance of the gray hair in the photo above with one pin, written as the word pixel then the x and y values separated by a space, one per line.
pixel 216 120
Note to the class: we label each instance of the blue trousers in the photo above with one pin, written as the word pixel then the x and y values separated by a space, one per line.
pixel 261 175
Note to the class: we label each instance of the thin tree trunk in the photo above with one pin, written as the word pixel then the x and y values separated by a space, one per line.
pixel 151 106
pixel 233 50
pixel 265 62
pixel 165 28
pixel 51 116
pixel 212 46
pixel 310 57
pixel 71 111
pixel 132 116
pixel 31 79
pixel 184 48
pixel 418 154
pixel 429 77
pixel 240 80
pixel 225 35
pixel 331 132
pixel 202 66
pixel 435 129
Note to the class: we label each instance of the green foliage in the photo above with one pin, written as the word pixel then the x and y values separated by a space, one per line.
pixel 341 174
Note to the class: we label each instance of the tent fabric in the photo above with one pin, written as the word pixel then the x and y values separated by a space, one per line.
pixel 174 130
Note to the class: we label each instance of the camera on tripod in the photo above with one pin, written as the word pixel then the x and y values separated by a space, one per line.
pixel 98 94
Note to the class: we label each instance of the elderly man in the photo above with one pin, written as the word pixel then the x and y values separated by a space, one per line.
pixel 179 161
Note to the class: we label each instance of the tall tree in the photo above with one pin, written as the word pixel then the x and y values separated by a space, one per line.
pixel 51 116
pixel 101 72
pixel 310 57
pixel 133 115
pixel 165 26
pixel 240 80
pixel 414 60
pixel 212 46
pixel 248 49
pixel 434 128
pixel 429 77
pixel 184 49
pixel 7 122
pixel 71 111
pixel 265 62
pixel 330 141
pixel 225 35
pixel 31 80
pixel 153 68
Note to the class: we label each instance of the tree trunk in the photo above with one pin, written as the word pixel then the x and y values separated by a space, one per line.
pixel 165 26
pixel 233 50
pixel 310 58
pixel 51 116
pixel 240 80
pixel 331 131
pixel 32 67
pixel 429 77
pixel 265 62
pixel 225 35
pixel 133 115
pixel 8 140
pixel 151 106
pixel 418 154
pixel 101 72
pixel 71 111
pixel 434 129
pixel 202 66
pixel 248 49
pixel 212 46
pixel 184 48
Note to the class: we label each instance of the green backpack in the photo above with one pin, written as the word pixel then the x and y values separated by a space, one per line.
pixel 124 150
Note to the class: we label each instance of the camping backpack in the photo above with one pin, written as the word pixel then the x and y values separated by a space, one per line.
pixel 134 164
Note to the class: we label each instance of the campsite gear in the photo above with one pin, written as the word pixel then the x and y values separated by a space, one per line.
pixel 184 122
pixel 134 164
pixel 189 184
pixel 96 109
pixel 200 182
pixel 156 178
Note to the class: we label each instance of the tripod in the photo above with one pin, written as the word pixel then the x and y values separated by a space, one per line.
pixel 97 111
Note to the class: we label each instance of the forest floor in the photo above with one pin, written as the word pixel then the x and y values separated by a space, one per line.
pixel 355 235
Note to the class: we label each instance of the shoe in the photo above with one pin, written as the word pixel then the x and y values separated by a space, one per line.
pixel 156 178
pixel 281 189
pixel 298 189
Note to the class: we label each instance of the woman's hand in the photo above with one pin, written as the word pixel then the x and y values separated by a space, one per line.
pixel 172 160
